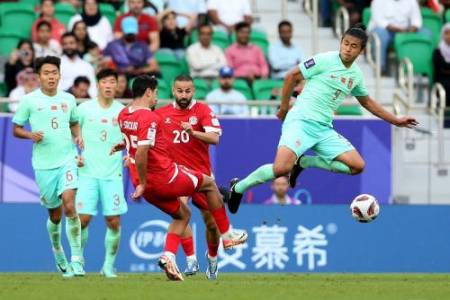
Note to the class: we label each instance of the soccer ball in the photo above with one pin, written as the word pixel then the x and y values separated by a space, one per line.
pixel 365 208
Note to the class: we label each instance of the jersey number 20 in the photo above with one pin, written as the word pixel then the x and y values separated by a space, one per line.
pixel 181 136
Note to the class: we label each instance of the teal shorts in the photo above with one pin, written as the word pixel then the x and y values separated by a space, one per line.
pixel 109 192
pixel 53 182
pixel 301 135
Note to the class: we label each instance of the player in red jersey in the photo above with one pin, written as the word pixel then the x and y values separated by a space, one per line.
pixel 190 127
pixel 160 180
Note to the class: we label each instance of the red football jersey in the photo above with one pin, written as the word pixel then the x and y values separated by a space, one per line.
pixel 142 126
pixel 185 149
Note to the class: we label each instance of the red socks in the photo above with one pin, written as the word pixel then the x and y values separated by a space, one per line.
pixel 212 249
pixel 172 243
pixel 188 245
pixel 221 218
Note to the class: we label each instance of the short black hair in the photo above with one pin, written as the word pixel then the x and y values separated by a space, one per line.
pixel 68 34
pixel 51 60
pixel 358 31
pixel 142 83
pixel 106 73
pixel 242 25
pixel 284 23
pixel 53 1
pixel 203 26
pixel 81 79
pixel 183 77
pixel 43 23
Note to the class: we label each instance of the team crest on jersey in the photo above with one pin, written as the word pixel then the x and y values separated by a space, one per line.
pixel 309 63
pixel 193 120
pixel 54 107
pixel 64 107
pixel 104 120
pixel 115 122
pixel 167 121
pixel 350 83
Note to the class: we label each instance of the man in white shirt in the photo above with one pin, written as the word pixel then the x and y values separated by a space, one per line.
pixel 227 93
pixel 72 66
pixel 45 45
pixel 227 13
pixel 390 17
pixel 204 58
pixel 283 55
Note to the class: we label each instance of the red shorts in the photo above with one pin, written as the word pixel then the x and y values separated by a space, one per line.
pixel 184 183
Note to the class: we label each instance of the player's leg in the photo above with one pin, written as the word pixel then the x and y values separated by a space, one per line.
pixel 213 241
pixel 230 238
pixel 113 206
pixel 187 243
pixel 67 185
pixel 84 221
pixel 47 181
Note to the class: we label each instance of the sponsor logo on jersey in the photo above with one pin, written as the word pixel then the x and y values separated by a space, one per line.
pixel 193 120
pixel 350 83
pixel 309 63
pixel 64 107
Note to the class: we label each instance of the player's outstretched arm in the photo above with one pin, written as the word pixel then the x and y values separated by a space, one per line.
pixel 292 78
pixel 376 109
pixel 141 167
pixel 21 133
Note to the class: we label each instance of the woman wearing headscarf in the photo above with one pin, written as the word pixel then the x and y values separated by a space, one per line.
pixel 441 64
pixel 98 26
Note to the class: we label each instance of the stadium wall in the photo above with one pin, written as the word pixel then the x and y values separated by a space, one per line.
pixel 316 238
pixel 245 145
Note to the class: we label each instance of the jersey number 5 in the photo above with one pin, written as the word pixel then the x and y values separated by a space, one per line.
pixel 130 142
pixel 181 136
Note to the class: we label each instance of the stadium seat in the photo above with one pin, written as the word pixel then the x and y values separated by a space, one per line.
pixel 432 22
pixel 184 66
pixel 366 15
pixel 418 48
pixel 8 41
pixel 349 110
pixel 63 12
pixel 169 65
pixel 108 11
pixel 2 89
pixel 239 85
pixel 262 89
pixel 20 15
pixel 164 90
pixel 447 16
pixel 201 88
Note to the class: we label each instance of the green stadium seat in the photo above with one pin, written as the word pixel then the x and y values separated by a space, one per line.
pixel 8 41
pixel 262 89
pixel 418 48
pixel 447 16
pixel 3 89
pixel 366 15
pixel 349 110
pixel 63 12
pixel 201 88
pixel 184 66
pixel 18 16
pixel 239 85
pixel 164 90
pixel 432 22
pixel 108 11
pixel 169 65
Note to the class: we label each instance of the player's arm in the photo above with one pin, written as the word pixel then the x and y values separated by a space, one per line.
pixel 292 78
pixel 20 132
pixel 211 137
pixel 76 134
pixel 376 109
pixel 140 158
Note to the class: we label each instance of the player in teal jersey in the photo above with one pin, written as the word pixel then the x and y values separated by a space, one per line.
pixel 101 173
pixel 308 125
pixel 54 122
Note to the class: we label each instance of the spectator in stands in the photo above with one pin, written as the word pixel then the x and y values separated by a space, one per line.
pixel 48 14
pixel 94 57
pixel 148 25
pixel 283 54
pixel 204 58
pixel 246 59
pixel 98 26
pixel 19 59
pixel 441 63
pixel 227 93
pixel 80 88
pixel 171 36
pixel 27 81
pixel 44 44
pixel 80 32
pixel 151 7
pixel 122 91
pixel 355 9
pixel 73 66
pixel 280 187
pixel 390 17
pixel 130 55
pixel 228 13
pixel 188 11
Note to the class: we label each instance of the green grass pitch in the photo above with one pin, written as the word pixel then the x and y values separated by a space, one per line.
pixel 229 287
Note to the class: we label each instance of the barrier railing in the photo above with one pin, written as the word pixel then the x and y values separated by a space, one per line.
pixel 374 58
pixel 342 21
pixel 437 110
pixel 406 79
pixel 312 10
